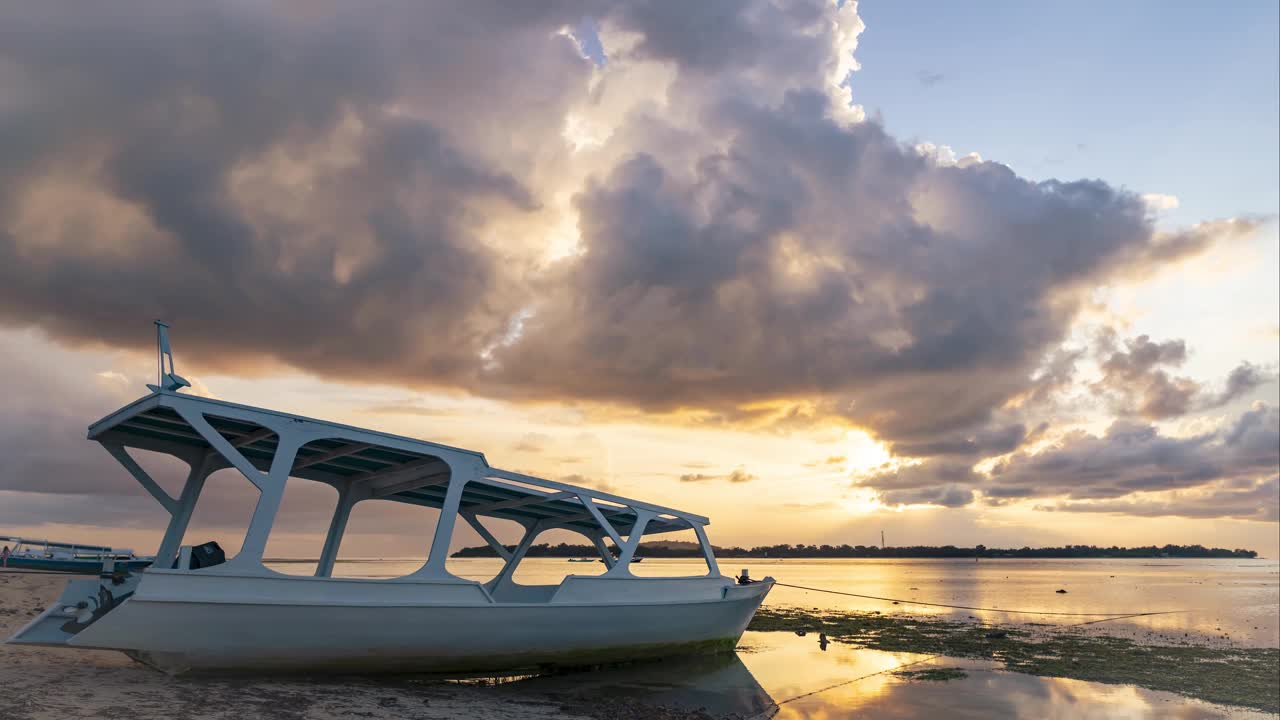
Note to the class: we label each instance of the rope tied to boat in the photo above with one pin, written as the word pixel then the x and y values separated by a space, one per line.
pixel 1104 616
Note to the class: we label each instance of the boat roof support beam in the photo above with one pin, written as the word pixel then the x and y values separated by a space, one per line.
pixel 708 554
pixel 605 555
pixel 252 437
pixel 531 532
pixel 627 550
pixel 488 537
pixel 270 484
pixel 435 569
pixel 397 471
pixel 180 518
pixel 520 502
pixel 605 525
pixel 348 495
pixel 345 450
pixel 417 483
pixel 167 501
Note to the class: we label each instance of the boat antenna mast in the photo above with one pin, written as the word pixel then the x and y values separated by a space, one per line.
pixel 167 380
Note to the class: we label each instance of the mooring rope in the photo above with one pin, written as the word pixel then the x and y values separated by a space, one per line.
pixel 773 709
pixel 854 680
pixel 1105 616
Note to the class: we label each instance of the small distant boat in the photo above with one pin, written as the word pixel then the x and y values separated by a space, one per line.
pixel 28 554
pixel 591 560
pixel 195 609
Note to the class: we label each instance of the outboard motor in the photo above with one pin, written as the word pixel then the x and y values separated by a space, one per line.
pixel 207 555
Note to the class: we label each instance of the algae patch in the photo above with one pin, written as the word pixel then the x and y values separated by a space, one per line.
pixel 938 674
pixel 1232 676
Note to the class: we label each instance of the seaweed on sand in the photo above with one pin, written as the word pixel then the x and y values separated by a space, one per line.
pixel 1232 676
pixel 933 674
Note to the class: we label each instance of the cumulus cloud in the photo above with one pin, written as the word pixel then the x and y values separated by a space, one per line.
pixel 683 212
pixel 308 188
pixel 1136 383
pixel 1133 376
pixel 1136 457
pixel 1130 459
pixel 946 496
pixel 1257 500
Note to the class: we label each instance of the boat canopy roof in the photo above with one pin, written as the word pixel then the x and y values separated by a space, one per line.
pixel 389 466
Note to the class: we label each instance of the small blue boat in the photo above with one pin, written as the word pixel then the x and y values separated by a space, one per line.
pixel 26 554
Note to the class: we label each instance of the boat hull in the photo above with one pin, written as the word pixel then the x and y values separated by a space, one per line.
pixel 192 635
pixel 208 637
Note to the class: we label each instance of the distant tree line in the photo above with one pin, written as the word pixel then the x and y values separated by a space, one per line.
pixel 683 550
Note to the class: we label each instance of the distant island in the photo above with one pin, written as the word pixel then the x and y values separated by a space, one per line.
pixel 677 549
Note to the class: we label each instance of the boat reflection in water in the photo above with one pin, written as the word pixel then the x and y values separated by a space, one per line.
pixel 719 685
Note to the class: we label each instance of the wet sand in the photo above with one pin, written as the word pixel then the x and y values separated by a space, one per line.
pixel 1207 669
pixel 57 684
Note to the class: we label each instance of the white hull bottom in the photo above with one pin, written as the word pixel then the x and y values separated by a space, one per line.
pixel 217 636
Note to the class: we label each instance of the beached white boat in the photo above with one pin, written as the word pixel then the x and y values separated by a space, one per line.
pixel 189 611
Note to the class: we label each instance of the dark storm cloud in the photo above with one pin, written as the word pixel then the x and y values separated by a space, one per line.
pixel 1259 500
pixel 933 482
pixel 369 263
pixel 334 188
pixel 714 35
pixel 1130 457
pixel 810 258
pixel 923 475
pixel 948 496
pixel 986 442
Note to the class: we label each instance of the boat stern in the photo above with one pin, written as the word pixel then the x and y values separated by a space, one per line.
pixel 82 603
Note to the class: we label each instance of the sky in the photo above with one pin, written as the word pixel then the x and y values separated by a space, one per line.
pixel 999 274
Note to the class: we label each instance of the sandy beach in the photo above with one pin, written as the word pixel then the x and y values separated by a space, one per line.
pixel 54 684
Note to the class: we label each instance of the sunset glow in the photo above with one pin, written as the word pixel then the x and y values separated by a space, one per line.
pixel 738 270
